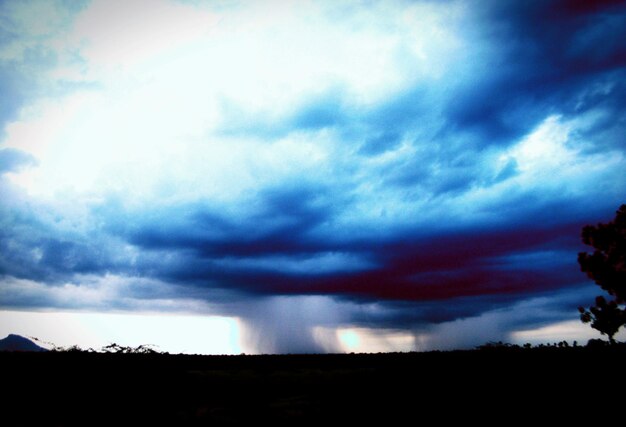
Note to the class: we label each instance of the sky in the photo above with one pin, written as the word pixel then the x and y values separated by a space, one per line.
pixel 305 176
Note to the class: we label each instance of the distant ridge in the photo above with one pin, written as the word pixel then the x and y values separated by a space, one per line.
pixel 19 343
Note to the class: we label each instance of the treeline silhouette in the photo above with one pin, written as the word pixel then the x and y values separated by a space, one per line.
pixel 152 349
pixel 111 348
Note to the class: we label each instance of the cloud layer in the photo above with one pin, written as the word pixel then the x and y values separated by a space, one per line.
pixel 408 164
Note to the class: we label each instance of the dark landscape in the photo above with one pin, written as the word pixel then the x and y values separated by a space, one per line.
pixel 79 388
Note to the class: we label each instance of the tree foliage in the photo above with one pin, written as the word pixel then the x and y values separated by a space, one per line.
pixel 606 317
pixel 607 267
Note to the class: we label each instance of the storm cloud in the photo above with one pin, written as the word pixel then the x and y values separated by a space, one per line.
pixel 397 167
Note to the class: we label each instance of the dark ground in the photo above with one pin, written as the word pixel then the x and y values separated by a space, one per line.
pixel 496 386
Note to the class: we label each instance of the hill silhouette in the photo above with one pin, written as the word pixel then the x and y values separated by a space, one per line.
pixel 18 343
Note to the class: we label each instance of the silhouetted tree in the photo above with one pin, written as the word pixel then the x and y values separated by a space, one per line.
pixel 607 267
pixel 605 316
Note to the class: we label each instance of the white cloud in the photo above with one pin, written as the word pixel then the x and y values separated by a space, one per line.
pixel 551 156
pixel 164 70
pixel 123 35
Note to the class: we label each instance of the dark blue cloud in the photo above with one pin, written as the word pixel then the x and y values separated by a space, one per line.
pixel 547 58
pixel 557 305
pixel 444 271
pixel 532 60
pixel 412 264
pixel 279 221
pixel 33 249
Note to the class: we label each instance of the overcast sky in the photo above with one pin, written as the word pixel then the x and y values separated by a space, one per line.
pixel 306 176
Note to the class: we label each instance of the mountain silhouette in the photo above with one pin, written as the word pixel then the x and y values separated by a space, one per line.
pixel 18 343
